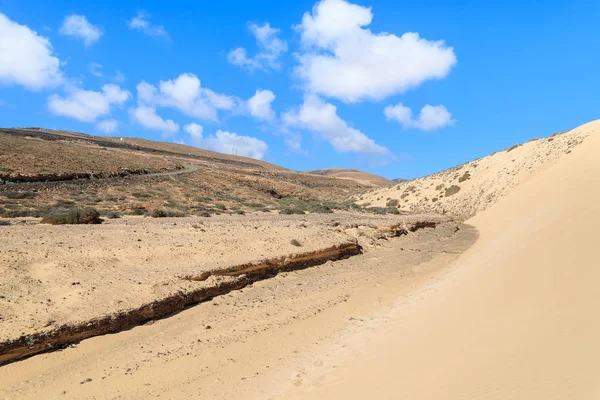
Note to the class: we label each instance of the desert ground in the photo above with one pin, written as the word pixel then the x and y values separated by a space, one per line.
pixel 488 292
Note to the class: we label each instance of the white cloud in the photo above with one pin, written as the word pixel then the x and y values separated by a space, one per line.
pixel 107 126
pixel 227 142
pixel 95 69
pixel 270 49
pixel 430 117
pixel 147 117
pixel 141 22
pixel 88 105
pixel 79 27
pixel 321 117
pixel 259 105
pixel 344 59
pixel 194 130
pixel 27 58
pixel 186 94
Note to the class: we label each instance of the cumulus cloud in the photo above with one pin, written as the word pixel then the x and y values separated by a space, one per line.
pixel 320 117
pixel 186 94
pixel 87 105
pixel 227 142
pixel 147 117
pixel 271 47
pixel 430 117
pixel 107 126
pixel 141 22
pixel 79 27
pixel 194 130
pixel 259 105
pixel 344 59
pixel 27 58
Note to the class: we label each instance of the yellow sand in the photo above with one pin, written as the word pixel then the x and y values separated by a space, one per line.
pixel 518 318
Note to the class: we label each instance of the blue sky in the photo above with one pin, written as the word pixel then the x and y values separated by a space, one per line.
pixel 317 84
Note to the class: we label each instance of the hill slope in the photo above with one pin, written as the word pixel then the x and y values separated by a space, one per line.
pixel 513 320
pixel 45 169
pixel 362 177
pixel 464 190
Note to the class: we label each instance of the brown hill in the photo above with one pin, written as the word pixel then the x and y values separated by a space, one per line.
pixel 353 174
pixel 43 168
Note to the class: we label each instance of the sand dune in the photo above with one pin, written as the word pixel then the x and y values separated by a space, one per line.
pixel 515 319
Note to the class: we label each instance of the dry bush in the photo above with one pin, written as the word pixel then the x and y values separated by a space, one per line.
pixel 452 190
pixel 295 243
pixel 158 213
pixel 465 177
pixel 392 203
pixel 73 216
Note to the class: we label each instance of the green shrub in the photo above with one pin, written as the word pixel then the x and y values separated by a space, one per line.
pixel 220 206
pixel 72 216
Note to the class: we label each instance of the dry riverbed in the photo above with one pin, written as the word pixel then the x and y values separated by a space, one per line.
pixel 65 283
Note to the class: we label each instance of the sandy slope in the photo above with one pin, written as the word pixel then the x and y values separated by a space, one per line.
pixel 516 320
pixel 467 189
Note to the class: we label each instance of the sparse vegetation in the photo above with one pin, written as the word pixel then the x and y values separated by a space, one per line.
pixel 290 211
pixel 111 214
pixel 220 206
pixel 4 222
pixel 513 147
pixel 382 210
pixel 72 216
pixel 295 242
pixel 18 195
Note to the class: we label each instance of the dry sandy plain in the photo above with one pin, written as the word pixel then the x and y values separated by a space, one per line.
pixel 500 307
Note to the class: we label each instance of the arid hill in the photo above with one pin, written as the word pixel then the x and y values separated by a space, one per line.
pixel 353 174
pixel 467 189
pixel 42 169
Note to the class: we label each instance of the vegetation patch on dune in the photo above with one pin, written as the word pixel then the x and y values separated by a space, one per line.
pixel 452 190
